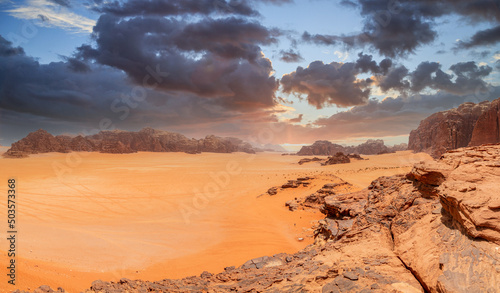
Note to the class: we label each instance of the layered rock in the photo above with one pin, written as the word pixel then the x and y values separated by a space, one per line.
pixel 370 147
pixel 444 219
pixel 39 142
pixel 468 125
pixel 121 142
pixel 487 129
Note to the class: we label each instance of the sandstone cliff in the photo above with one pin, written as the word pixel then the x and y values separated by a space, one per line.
pixel 121 142
pixel 370 147
pixel 487 129
pixel 468 125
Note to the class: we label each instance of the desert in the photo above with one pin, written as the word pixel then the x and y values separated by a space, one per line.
pixel 133 216
pixel 228 146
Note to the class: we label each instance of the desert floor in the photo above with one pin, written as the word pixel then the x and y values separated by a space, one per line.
pixel 151 216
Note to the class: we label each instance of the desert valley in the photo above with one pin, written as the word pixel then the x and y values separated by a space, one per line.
pixel 118 215
pixel 220 146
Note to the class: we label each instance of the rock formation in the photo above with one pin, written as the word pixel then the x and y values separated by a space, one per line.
pixel 121 142
pixel 321 148
pixel 436 229
pixel 370 147
pixel 444 218
pixel 487 129
pixel 468 125
pixel 308 160
pixel 338 158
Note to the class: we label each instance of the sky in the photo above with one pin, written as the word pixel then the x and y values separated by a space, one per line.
pixel 286 72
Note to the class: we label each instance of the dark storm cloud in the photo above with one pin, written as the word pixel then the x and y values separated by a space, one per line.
pixel 422 76
pixel 74 96
pixel 6 48
pixel 393 29
pixel 215 58
pixel 76 65
pixel 176 7
pixel 467 78
pixel 482 38
pixel 53 90
pixel 290 56
pixel 395 79
pixel 327 84
pixel 400 37
pixel 181 7
pixel 366 64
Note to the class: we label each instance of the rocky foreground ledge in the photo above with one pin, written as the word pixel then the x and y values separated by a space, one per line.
pixel 436 229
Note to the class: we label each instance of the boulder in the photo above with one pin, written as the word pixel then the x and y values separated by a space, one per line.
pixel 338 158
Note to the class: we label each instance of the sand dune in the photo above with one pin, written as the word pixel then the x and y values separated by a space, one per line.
pixel 88 216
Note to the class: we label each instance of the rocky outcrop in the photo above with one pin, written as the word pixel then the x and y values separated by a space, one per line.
pixel 370 147
pixel 122 142
pixel 36 142
pixel 338 158
pixel 487 129
pixel 321 148
pixel 470 193
pixel 468 125
pixel 444 219
pixel 398 147
pixel 308 160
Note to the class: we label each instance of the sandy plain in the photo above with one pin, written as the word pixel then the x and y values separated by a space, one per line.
pixel 151 216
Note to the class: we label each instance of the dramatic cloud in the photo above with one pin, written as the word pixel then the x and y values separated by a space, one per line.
pixel 399 35
pixel 482 38
pixel 327 84
pixel 366 64
pixel 180 7
pixel 395 79
pixel 394 30
pixel 53 14
pixel 290 56
pixel 6 49
pixel 176 7
pixel 468 78
pixel 338 83
pixel 213 58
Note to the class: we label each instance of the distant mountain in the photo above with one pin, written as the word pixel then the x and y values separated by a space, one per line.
pixel 370 147
pixel 122 142
pixel 468 125
pixel 268 147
